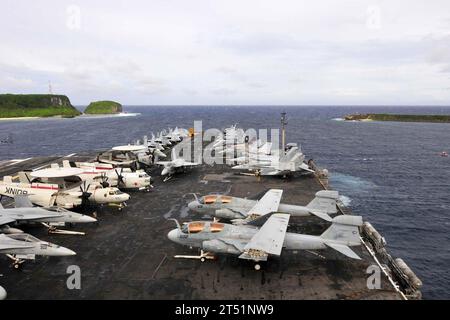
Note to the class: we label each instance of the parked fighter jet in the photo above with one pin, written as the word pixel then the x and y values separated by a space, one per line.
pixel 174 165
pixel 245 150
pixel 108 176
pixel 120 158
pixel 162 140
pixel 22 246
pixel 152 148
pixel 154 144
pixel 258 243
pixel 284 165
pixel 139 153
pixel 172 136
pixel 61 187
pixel 245 210
pixel 24 212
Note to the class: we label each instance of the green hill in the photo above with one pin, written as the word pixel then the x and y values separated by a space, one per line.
pixel 103 107
pixel 398 117
pixel 36 105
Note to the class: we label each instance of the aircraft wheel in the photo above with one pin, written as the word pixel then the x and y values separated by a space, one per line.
pixel 202 259
pixel 16 266
pixel 257 267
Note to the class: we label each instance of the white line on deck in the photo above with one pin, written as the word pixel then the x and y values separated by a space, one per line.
pixel 38 168
pixel 70 155
pixel 20 160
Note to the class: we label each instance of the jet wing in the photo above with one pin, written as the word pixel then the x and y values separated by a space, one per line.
pixel 33 214
pixel 6 219
pixel 268 240
pixel 268 203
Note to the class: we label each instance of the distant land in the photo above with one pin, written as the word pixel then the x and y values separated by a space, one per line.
pixel 103 107
pixel 36 105
pixel 398 117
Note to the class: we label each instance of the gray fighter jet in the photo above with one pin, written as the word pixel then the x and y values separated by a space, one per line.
pixel 284 165
pixel 255 243
pixel 24 212
pixel 244 210
pixel 174 165
pixel 22 246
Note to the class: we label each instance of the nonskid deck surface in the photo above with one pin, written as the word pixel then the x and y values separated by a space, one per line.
pixel 128 256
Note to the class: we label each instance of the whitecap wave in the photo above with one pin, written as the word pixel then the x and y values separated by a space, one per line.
pixel 345 200
pixel 101 116
pixel 128 114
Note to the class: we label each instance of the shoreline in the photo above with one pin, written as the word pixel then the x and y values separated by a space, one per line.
pixel 82 116
pixel 21 118
pixel 388 117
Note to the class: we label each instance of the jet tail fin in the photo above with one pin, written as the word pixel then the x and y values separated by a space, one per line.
pixel 344 228
pixel 22 201
pixel 325 202
pixel 173 154
pixel 145 142
pixel 290 155
pixel 343 233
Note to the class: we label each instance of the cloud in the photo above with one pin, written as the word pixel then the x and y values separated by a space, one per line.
pixel 239 52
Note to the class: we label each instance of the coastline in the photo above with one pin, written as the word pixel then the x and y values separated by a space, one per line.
pixel 20 118
pixel 82 116
pixel 386 117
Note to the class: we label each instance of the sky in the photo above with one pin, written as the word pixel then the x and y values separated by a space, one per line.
pixel 246 52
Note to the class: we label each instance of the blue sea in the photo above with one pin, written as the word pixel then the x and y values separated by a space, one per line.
pixel 390 172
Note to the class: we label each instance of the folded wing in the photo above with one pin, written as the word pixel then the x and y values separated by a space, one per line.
pixel 268 240
pixel 268 203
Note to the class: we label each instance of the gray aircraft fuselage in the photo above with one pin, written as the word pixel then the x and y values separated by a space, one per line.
pixel 24 244
pixel 232 239
pixel 238 208
pixel 36 214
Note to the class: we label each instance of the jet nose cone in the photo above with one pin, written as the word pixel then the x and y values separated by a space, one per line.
pixel 87 219
pixel 164 172
pixel 193 205
pixel 62 252
pixel 173 235
pixel 2 293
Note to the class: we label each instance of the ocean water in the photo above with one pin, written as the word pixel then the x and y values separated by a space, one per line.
pixel 391 173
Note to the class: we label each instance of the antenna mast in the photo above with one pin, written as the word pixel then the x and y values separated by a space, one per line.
pixel 283 131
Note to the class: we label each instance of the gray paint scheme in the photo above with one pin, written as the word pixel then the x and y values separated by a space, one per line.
pixel 24 212
pixel 321 206
pixel 235 239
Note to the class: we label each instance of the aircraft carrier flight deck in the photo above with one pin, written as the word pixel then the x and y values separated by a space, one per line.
pixel 127 255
